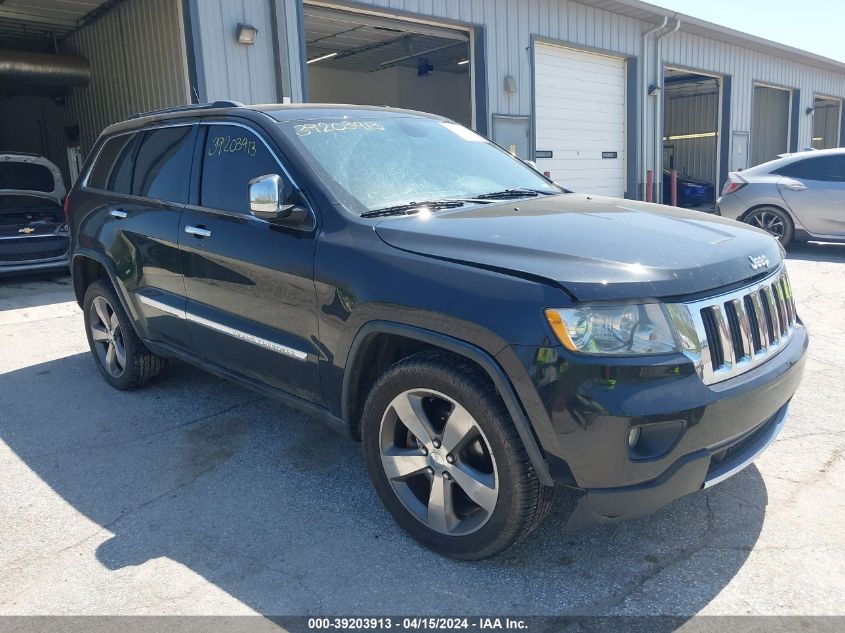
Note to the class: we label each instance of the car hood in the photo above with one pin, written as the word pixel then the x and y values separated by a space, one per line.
pixel 596 248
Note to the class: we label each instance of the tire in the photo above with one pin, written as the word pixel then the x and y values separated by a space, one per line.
pixel 443 398
pixel 119 354
pixel 776 222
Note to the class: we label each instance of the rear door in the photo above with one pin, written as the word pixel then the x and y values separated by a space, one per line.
pixel 251 295
pixel 144 180
pixel 814 188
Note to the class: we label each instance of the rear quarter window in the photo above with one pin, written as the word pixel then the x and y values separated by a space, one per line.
pixel 112 171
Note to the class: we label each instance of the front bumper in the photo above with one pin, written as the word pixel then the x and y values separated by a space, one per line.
pixel 34 253
pixel 708 432
pixel 691 473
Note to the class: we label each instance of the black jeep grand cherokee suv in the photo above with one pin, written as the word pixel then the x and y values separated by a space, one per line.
pixel 485 333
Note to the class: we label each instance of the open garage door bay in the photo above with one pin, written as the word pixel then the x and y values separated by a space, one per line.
pixel 580 118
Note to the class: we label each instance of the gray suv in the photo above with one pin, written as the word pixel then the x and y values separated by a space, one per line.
pixel 796 197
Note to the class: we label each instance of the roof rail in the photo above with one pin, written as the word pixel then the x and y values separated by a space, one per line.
pixel 191 106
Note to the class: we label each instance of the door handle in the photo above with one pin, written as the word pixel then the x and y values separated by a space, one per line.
pixel 198 231
pixel 120 214
pixel 795 186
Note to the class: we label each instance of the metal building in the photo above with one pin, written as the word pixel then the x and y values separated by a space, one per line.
pixel 598 92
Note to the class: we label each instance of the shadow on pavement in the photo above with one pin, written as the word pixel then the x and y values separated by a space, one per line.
pixel 34 289
pixel 278 511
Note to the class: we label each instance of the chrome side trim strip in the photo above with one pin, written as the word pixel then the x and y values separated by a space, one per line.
pixel 224 329
pixel 728 469
pixel 162 307
pixel 249 338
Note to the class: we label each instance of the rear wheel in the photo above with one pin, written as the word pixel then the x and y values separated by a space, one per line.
pixel 776 222
pixel 118 352
pixel 446 459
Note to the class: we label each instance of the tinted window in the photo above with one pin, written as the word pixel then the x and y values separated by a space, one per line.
pixel 113 169
pixel 233 156
pixel 26 176
pixel 825 168
pixel 163 164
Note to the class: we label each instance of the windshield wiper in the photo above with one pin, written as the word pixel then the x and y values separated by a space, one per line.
pixel 506 194
pixel 412 207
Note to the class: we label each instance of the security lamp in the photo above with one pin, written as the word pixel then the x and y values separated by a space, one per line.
pixel 809 111
pixel 247 34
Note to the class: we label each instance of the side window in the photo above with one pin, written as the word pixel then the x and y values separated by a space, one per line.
pixel 823 168
pixel 233 156
pixel 113 169
pixel 163 164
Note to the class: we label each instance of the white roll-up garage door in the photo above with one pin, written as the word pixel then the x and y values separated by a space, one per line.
pixel 580 118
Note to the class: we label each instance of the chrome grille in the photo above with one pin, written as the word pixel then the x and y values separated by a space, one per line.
pixel 729 334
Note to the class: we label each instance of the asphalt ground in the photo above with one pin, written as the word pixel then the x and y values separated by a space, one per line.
pixel 196 496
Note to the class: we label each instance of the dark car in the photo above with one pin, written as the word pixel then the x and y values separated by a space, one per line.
pixel 692 192
pixel 485 334
pixel 33 231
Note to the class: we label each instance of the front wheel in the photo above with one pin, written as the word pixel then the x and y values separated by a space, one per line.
pixel 776 222
pixel 446 460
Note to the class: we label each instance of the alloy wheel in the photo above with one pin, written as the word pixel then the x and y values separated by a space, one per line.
pixel 769 221
pixel 438 462
pixel 107 336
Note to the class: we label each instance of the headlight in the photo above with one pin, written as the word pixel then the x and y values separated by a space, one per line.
pixel 628 329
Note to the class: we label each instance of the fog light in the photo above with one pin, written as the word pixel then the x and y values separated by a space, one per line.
pixel 633 436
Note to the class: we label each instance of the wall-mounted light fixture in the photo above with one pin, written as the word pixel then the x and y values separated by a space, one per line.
pixel 809 110
pixel 247 34
pixel 463 62
pixel 653 90
pixel 510 84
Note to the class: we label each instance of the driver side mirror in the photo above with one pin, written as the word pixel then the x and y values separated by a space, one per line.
pixel 271 199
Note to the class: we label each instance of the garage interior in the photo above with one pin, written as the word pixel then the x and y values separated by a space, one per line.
pixel 35 78
pixel 770 123
pixel 827 117
pixel 370 60
pixel 68 69
pixel 691 133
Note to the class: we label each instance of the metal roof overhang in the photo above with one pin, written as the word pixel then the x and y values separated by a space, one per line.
pixel 37 24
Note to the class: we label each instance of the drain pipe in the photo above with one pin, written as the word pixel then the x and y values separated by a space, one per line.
pixel 658 112
pixel 644 101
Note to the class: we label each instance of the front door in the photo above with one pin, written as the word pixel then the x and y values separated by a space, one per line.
pixel 814 188
pixel 250 289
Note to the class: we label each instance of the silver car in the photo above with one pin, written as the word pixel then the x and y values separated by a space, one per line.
pixel 796 197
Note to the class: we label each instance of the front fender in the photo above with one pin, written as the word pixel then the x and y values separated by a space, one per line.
pixel 457 346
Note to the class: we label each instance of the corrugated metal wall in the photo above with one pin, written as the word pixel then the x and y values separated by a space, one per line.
pixel 138 63
pixel 770 124
pixel 245 73
pixel 692 115
pixel 511 23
